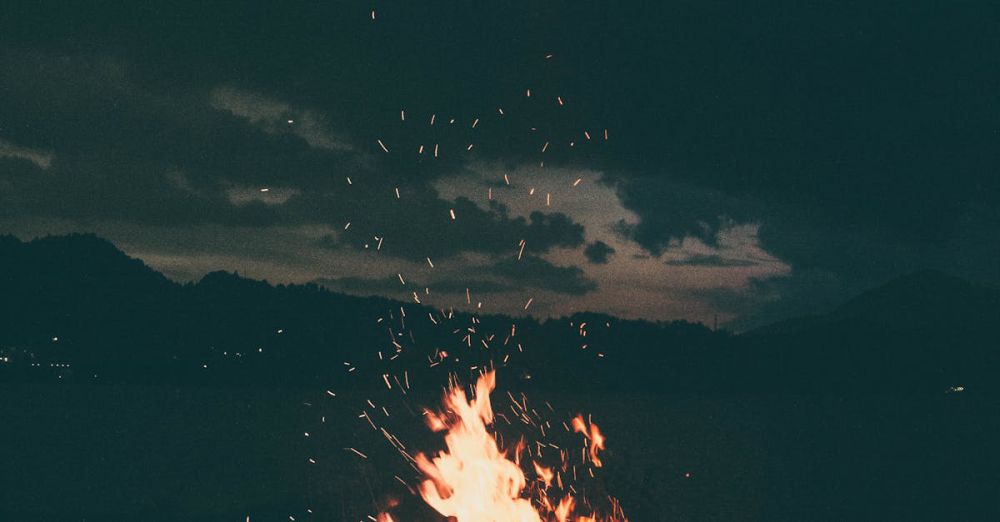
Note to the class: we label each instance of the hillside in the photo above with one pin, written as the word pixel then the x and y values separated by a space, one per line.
pixel 75 307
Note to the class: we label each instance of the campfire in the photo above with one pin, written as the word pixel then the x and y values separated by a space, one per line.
pixel 475 479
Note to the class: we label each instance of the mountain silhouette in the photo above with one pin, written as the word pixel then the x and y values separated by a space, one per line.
pixel 923 329
pixel 76 307
pixel 911 302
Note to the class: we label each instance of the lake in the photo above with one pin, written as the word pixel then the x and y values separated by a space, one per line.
pixel 73 451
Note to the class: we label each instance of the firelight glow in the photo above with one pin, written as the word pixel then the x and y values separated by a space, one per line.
pixel 473 480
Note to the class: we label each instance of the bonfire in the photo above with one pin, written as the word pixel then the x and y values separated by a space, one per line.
pixel 475 480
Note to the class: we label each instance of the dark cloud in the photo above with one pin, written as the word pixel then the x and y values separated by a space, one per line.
pixel 598 252
pixel 669 209
pixel 134 154
pixel 859 155
pixel 459 285
pixel 393 287
pixel 498 276
pixel 419 225
pixel 123 151
pixel 861 139
pixel 364 285
pixel 535 272
pixel 710 260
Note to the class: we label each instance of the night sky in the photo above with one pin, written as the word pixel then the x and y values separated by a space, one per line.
pixel 760 161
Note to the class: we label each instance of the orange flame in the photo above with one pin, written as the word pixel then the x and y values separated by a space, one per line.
pixel 564 509
pixel 595 440
pixel 473 480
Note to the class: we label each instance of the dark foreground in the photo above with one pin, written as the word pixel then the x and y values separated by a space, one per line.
pixel 89 452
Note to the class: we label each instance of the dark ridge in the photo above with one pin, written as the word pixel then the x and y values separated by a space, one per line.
pixel 927 298
pixel 76 307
